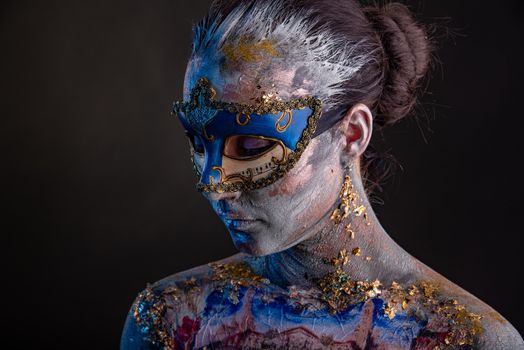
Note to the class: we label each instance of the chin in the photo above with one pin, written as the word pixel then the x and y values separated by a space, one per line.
pixel 248 244
pixel 252 248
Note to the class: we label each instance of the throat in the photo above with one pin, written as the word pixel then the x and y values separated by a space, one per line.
pixel 358 246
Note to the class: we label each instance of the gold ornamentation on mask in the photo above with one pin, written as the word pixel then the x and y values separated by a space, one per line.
pixel 220 171
pixel 250 173
pixel 202 97
pixel 282 128
pixel 247 119
pixel 248 177
pixel 210 138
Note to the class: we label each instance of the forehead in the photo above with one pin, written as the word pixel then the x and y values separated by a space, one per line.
pixel 246 71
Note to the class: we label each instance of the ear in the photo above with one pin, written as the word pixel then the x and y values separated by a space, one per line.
pixel 357 127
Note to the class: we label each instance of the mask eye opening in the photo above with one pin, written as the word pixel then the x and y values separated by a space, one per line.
pixel 248 147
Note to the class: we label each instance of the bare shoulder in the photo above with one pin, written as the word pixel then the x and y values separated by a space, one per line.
pixel 497 332
pixel 192 284
pixel 500 335
pixel 174 303
pixel 494 331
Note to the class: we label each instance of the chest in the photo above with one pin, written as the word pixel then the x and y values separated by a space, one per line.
pixel 258 319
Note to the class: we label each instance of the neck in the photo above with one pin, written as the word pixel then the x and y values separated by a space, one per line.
pixel 359 236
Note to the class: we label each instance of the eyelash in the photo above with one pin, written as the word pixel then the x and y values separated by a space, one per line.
pixel 235 146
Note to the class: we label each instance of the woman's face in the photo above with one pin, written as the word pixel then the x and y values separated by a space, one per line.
pixel 276 217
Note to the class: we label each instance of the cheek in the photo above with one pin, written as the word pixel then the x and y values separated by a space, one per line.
pixel 310 189
pixel 293 181
pixel 312 202
pixel 321 193
pixel 299 177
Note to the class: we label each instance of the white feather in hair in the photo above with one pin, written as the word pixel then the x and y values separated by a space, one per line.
pixel 318 60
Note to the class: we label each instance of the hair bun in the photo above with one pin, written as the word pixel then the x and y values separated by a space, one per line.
pixel 406 57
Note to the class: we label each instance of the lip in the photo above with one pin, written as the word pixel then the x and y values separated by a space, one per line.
pixel 237 218
pixel 239 223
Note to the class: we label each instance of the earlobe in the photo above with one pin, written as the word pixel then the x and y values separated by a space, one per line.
pixel 358 127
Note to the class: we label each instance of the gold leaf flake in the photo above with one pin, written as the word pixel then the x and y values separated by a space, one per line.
pixel 389 311
pixel 247 51
pixel 359 210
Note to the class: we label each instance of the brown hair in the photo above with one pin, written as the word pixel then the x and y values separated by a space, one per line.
pixel 399 57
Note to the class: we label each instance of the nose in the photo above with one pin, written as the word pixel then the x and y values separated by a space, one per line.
pixel 212 171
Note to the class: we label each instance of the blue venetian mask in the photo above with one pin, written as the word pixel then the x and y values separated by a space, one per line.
pixel 240 147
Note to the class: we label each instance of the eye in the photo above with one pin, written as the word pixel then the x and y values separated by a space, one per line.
pixel 245 147
pixel 196 143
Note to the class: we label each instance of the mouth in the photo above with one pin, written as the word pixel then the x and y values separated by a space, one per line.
pixel 235 220
pixel 237 217
pixel 238 222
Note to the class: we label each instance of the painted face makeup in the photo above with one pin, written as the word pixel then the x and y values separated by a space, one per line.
pixel 241 147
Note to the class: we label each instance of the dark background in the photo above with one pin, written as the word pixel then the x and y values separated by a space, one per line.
pixel 97 184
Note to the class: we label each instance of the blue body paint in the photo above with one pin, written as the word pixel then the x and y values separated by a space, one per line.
pixel 278 314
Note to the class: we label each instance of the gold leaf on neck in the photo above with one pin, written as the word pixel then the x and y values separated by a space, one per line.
pixel 356 251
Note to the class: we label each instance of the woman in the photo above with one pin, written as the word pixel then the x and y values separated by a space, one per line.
pixel 281 99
